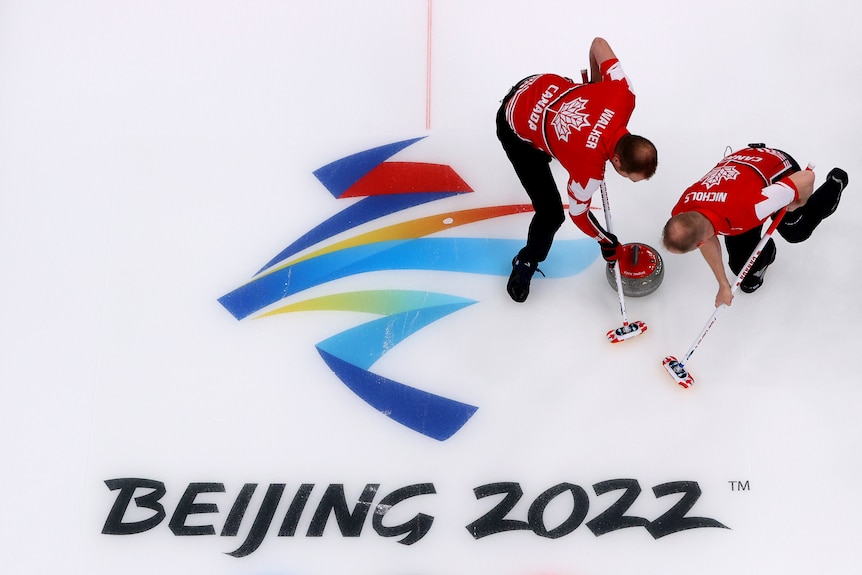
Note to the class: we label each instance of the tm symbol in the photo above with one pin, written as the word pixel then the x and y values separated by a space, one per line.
pixel 739 486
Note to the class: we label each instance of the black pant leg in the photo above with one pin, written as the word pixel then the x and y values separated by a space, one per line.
pixel 533 169
pixel 740 248
pixel 798 225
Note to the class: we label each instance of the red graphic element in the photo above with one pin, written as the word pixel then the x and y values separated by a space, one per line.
pixel 407 178
pixel 637 261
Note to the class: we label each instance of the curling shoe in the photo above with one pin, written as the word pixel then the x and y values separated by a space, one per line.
pixel 830 191
pixel 519 281
pixel 799 224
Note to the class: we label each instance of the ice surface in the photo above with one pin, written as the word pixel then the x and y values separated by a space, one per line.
pixel 154 156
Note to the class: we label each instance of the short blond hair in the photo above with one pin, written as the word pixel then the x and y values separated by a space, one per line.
pixel 684 232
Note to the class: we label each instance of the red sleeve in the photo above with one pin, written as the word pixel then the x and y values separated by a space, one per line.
pixel 579 208
pixel 587 223
pixel 789 183
pixel 606 65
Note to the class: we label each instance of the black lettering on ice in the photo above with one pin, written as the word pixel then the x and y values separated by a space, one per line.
pixel 614 517
pixel 261 522
pixel 580 506
pixel 237 512
pixel 499 520
pixel 114 524
pixel 675 519
pixel 138 507
pixel 294 512
pixel 136 494
pixel 334 502
pixel 495 520
pixel 188 506
pixel 413 529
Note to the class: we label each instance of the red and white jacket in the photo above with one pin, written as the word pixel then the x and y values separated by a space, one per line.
pixel 579 125
pixel 742 191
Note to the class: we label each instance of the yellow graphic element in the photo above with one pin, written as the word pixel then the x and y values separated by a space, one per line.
pixel 413 229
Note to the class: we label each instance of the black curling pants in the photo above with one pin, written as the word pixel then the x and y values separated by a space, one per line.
pixel 796 226
pixel 533 168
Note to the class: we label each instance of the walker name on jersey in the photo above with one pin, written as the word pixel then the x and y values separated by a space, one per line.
pixel 554 513
pixel 598 130
pixel 539 108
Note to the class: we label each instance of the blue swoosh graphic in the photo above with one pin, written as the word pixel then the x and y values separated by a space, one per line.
pixel 470 255
pixel 351 353
pixel 431 415
pixel 363 211
pixel 385 189
pixel 340 175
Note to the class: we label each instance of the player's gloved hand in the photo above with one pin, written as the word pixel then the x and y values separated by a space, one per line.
pixel 610 248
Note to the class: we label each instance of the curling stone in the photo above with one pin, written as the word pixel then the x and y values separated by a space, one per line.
pixel 641 270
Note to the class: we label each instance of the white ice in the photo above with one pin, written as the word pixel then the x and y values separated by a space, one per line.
pixel 153 155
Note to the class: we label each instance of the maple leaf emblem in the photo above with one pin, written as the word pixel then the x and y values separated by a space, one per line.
pixel 570 116
pixel 718 175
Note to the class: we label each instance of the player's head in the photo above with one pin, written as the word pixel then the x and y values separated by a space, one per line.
pixel 635 158
pixel 685 232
